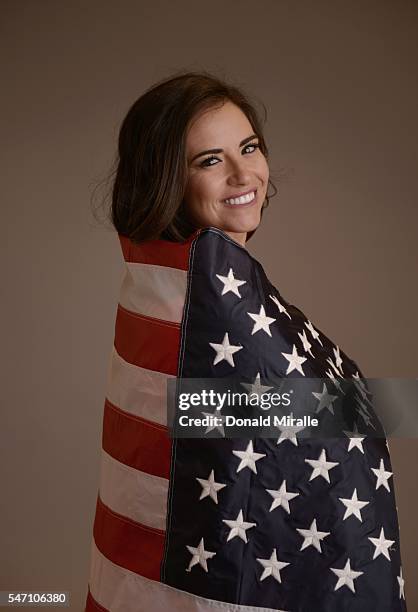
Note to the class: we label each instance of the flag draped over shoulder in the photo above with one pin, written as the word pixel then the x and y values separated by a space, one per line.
pixel 289 524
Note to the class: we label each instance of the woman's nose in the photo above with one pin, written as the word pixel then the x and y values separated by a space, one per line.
pixel 239 172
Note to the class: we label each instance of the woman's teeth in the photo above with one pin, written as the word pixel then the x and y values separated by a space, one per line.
pixel 243 199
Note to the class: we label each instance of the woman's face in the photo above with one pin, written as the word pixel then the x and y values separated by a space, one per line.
pixel 225 162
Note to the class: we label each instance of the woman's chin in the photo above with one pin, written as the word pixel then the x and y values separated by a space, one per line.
pixel 244 226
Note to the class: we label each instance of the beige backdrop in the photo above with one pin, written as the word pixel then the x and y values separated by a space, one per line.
pixel 340 238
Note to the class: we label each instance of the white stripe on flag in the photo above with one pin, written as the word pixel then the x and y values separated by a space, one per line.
pixel 120 590
pixel 154 291
pixel 137 390
pixel 137 495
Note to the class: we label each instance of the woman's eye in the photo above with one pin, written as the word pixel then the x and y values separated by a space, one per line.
pixel 206 162
pixel 253 144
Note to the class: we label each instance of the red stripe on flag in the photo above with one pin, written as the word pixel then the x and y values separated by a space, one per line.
pixel 147 342
pixel 129 544
pixel 136 442
pixel 158 252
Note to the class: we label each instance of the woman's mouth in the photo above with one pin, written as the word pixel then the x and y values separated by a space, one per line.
pixel 245 200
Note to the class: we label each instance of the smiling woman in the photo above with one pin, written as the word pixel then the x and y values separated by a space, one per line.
pixel 302 522
pixel 186 145
pixel 227 189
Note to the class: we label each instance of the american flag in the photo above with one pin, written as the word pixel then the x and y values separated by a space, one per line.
pixel 289 524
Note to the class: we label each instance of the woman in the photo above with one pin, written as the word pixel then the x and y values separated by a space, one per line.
pixel 293 523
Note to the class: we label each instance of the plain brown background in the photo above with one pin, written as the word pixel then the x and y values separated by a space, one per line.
pixel 339 240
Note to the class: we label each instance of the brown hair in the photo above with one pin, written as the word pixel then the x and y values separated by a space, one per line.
pixel 151 173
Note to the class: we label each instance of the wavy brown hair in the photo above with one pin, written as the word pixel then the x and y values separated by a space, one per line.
pixel 151 166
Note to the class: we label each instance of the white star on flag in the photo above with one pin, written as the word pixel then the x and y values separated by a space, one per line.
pixel 257 388
pixel 279 305
pixel 238 527
pixel 225 351
pixel 382 475
pixel 272 566
pixel 288 432
pixel 314 333
pixel 306 344
pixel 261 321
pixel 346 576
pixel 312 536
pixel 355 440
pixel 230 283
pixel 248 458
pixel 218 415
pixel 281 497
pixel 358 381
pixel 353 506
pixel 334 367
pixel 335 381
pixel 338 360
pixel 382 545
pixel 401 583
pixel 210 487
pixel 200 555
pixel 363 411
pixel 295 361
pixel 321 466
pixel 325 399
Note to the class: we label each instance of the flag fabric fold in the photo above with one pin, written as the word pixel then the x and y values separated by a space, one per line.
pixel 290 524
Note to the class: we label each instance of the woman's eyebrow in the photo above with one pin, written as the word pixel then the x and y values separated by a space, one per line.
pixel 243 142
